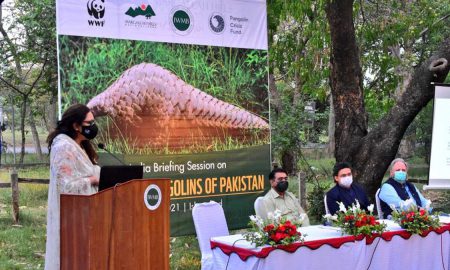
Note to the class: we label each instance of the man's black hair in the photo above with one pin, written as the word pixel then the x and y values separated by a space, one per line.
pixel 276 170
pixel 339 166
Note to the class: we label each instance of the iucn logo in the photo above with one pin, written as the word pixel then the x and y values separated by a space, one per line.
pixel 96 8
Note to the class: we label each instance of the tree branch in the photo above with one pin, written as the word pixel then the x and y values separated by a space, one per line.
pixel 11 86
pixel 38 77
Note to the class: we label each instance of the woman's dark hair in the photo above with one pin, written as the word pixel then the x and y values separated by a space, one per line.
pixel 74 114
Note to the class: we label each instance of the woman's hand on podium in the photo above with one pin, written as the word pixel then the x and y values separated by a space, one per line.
pixel 94 180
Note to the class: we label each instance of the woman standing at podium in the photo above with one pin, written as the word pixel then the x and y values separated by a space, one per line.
pixel 73 170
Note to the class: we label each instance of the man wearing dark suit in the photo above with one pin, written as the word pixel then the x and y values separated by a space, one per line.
pixel 345 190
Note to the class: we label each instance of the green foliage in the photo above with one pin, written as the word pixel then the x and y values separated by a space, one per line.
pixel 424 129
pixel 395 37
pixel 315 197
pixel 237 76
pixel 298 61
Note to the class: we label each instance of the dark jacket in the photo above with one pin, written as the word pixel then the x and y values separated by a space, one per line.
pixel 402 193
pixel 347 196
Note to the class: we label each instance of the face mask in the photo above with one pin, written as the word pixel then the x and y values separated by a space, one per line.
pixel 400 176
pixel 282 186
pixel 346 181
pixel 89 131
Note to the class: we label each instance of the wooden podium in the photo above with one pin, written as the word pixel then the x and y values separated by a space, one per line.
pixel 118 228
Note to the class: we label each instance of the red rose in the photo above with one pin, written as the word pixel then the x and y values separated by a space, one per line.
pixel 422 212
pixel 269 228
pixel 277 237
pixel 281 229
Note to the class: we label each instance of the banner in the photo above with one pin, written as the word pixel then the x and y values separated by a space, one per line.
pixel 439 174
pixel 179 87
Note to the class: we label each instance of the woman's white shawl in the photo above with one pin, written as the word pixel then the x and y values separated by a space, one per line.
pixel 70 169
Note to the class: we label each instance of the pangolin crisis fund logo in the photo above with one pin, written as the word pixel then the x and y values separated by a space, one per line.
pixel 96 9
pixel 181 20
pixel 216 23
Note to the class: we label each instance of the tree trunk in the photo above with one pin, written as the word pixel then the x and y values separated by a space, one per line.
pixel 371 153
pixel 331 129
pixel 346 80
pixel 34 132
pixel 289 161
pixel 22 129
pixel 52 113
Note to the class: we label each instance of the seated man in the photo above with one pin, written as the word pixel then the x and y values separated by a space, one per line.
pixel 279 198
pixel 396 190
pixel 345 190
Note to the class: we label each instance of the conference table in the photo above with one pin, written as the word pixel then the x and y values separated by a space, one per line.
pixel 326 248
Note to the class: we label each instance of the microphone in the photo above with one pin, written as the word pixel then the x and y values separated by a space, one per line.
pixel 102 146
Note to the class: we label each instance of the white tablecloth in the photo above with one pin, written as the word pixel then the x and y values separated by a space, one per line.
pixel 422 253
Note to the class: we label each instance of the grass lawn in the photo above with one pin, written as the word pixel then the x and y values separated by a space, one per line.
pixel 23 247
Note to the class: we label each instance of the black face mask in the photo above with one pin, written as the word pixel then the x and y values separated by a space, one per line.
pixel 282 186
pixel 89 131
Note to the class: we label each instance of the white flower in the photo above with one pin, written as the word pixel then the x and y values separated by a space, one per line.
pixel 342 207
pixel 427 205
pixel 407 203
pixel 270 215
pixel 258 235
pixel 277 214
pixel 301 217
pixel 392 206
pixel 357 205
pixel 258 221
pixel 330 217
pixel 370 208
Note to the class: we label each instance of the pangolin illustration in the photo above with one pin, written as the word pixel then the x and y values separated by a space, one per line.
pixel 152 106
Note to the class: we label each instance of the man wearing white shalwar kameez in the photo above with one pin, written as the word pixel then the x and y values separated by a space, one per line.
pixel 70 169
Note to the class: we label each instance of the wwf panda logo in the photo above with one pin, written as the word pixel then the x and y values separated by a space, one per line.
pixel 216 23
pixel 96 8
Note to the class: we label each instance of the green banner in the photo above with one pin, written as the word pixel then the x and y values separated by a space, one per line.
pixel 233 178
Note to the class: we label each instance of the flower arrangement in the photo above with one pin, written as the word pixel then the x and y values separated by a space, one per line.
pixel 276 230
pixel 356 221
pixel 413 219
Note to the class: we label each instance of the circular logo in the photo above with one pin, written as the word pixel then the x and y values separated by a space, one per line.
pixel 217 23
pixel 182 22
pixel 152 197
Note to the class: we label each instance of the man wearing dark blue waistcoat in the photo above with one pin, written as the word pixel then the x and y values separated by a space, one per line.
pixel 345 190
pixel 397 190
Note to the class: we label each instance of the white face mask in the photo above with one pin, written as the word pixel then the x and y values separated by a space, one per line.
pixel 346 181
